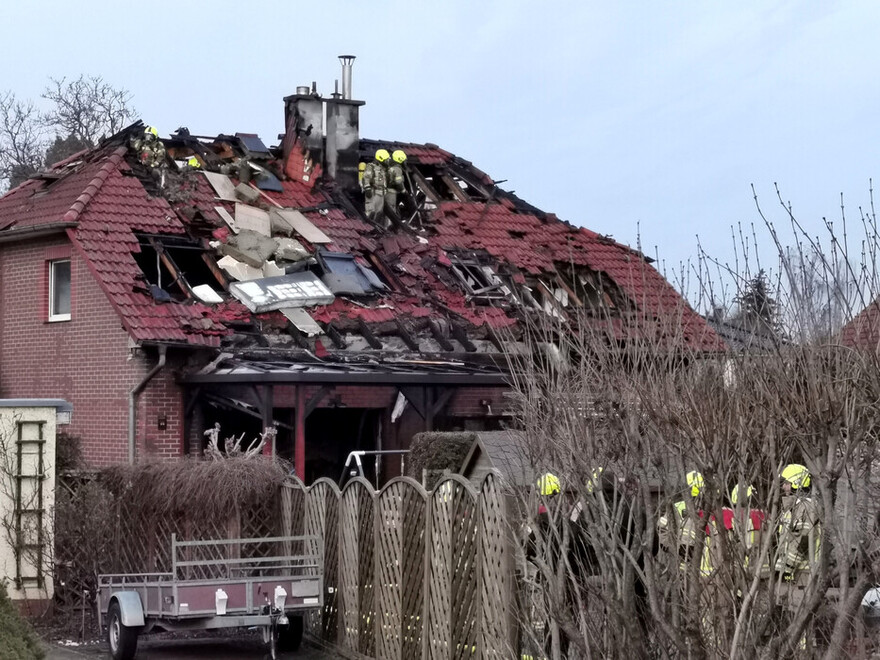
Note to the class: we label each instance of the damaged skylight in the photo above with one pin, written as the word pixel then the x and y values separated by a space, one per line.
pixel 344 275
pixel 480 281
pixel 253 145
pixel 295 290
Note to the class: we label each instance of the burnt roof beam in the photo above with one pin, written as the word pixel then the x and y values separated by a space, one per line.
pixel 438 334
pixel 367 334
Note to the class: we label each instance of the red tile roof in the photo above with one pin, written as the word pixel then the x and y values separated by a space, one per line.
pixel 102 194
pixel 864 330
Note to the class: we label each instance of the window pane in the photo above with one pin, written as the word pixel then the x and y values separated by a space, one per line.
pixel 60 288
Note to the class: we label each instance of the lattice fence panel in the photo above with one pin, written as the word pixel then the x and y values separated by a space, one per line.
pixel 414 505
pixel 349 556
pixel 495 563
pixel 439 643
pixel 366 567
pixel 389 578
pixel 330 616
pixel 465 598
pixel 203 528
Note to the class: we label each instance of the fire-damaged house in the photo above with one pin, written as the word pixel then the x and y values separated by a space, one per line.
pixel 243 284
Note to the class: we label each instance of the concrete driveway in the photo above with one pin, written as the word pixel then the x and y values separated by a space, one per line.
pixel 215 648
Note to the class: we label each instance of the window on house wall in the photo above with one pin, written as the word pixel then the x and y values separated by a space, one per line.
pixel 59 290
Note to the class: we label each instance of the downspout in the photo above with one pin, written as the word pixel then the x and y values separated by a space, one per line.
pixel 132 403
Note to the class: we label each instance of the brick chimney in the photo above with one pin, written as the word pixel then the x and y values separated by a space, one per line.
pixel 308 148
pixel 343 132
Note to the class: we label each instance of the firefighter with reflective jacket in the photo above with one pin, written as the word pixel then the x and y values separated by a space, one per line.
pixel 149 148
pixel 396 184
pixel 680 535
pixel 799 531
pixel 375 185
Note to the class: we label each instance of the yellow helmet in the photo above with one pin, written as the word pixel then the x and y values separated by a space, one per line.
pixel 362 166
pixel 382 155
pixel 548 484
pixel 151 130
pixel 193 162
pixel 398 156
pixel 695 481
pixel 797 475
pixel 446 490
pixel 735 493
pixel 594 480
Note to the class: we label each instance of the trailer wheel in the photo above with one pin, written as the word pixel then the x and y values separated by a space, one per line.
pixel 290 636
pixel 121 639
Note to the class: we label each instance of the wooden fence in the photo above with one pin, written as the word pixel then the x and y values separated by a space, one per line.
pixel 410 573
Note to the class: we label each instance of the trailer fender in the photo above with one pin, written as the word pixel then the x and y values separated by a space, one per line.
pixel 130 607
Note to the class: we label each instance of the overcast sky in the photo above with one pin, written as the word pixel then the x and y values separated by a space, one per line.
pixel 641 120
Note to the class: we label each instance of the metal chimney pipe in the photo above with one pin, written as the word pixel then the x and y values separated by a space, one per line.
pixel 347 62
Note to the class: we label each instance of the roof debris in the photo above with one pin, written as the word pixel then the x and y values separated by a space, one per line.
pixel 267 229
pixel 270 293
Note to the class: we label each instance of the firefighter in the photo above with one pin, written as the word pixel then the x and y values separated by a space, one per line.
pixel 396 184
pixel 799 531
pixel 149 148
pixel 681 535
pixel 375 185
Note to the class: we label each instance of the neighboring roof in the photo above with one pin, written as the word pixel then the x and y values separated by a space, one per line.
pixel 506 451
pixel 113 200
pixel 740 338
pixel 864 330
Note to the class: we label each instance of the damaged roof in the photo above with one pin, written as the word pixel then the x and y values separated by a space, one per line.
pixel 471 261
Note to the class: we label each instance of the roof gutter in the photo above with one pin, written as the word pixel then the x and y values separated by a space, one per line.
pixel 132 403
pixel 27 233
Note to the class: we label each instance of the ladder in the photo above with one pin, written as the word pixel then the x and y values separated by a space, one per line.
pixel 29 510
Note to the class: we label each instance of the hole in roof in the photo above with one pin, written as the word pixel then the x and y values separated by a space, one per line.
pixel 516 234
pixel 175 264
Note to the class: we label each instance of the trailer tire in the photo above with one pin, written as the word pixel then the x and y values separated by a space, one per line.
pixel 121 639
pixel 290 636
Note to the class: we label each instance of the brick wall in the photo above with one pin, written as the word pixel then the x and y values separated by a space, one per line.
pixel 85 360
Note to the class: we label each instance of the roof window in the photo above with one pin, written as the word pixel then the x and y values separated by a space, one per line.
pixel 174 266
pixel 479 280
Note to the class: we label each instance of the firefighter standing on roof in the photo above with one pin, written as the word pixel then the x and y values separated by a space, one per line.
pixel 149 148
pixel 396 184
pixel 375 185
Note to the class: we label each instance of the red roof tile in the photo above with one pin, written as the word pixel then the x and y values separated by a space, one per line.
pixel 110 205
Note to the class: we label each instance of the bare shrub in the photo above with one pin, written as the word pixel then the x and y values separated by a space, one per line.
pixel 627 560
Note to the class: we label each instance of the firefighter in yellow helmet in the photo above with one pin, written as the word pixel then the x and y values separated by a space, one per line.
pixel 375 185
pixel 150 152
pixel 396 184
pixel 680 535
pixel 799 531
pixel 149 148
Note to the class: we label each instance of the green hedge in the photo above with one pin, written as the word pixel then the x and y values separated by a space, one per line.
pixel 18 641
pixel 436 451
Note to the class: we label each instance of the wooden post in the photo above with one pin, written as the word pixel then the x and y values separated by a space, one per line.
pixel 299 442
pixel 267 405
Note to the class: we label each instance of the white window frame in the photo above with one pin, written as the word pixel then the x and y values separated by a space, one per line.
pixel 53 317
